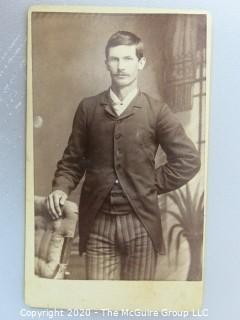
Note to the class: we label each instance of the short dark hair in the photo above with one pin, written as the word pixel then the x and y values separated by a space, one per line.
pixel 125 38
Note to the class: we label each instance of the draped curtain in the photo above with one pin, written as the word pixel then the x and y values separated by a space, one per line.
pixel 180 46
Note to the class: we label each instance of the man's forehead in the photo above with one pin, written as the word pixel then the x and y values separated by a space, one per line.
pixel 122 50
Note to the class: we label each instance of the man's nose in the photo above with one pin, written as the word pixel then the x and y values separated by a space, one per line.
pixel 121 65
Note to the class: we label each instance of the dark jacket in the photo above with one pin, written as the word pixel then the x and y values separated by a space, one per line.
pixel 103 146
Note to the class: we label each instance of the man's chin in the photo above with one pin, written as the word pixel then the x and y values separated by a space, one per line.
pixel 122 82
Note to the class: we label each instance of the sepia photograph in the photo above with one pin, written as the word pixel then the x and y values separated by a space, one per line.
pixel 117 143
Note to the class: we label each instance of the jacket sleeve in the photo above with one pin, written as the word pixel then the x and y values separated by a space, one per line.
pixel 72 166
pixel 183 160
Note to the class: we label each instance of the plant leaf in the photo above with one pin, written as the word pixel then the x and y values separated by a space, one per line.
pixel 196 195
pixel 178 245
pixel 190 206
pixel 177 200
pixel 176 216
pixel 200 212
pixel 170 234
pixel 187 201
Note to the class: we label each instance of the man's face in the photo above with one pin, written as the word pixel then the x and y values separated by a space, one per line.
pixel 123 64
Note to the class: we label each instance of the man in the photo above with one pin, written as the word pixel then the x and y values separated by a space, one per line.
pixel 114 140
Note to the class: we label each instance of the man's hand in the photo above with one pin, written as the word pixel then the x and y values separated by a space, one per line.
pixel 55 202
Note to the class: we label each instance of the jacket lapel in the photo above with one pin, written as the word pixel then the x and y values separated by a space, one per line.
pixel 105 102
pixel 138 102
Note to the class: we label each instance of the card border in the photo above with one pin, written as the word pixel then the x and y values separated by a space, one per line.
pixel 88 294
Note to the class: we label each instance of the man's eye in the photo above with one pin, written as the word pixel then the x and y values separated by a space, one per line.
pixel 113 60
pixel 128 58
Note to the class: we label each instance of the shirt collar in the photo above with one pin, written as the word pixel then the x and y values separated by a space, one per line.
pixel 126 101
pixel 139 101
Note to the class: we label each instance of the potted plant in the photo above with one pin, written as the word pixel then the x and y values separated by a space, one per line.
pixel 188 214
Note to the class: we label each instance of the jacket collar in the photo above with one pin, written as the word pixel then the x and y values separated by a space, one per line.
pixel 139 101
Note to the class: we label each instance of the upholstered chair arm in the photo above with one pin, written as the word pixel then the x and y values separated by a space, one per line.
pixel 53 239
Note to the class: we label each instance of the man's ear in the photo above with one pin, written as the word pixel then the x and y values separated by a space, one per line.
pixel 106 64
pixel 141 63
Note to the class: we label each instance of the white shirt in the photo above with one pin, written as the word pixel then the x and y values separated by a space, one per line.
pixel 120 105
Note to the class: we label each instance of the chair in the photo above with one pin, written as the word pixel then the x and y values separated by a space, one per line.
pixel 53 239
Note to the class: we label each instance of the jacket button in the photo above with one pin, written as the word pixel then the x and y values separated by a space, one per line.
pixel 118 166
pixel 118 135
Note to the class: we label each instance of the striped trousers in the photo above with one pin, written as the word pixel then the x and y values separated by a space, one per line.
pixel 119 248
